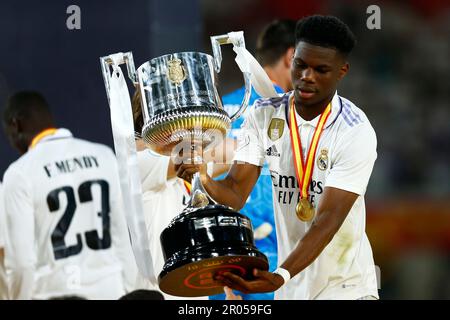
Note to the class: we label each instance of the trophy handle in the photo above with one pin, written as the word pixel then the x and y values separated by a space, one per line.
pixel 237 39
pixel 126 58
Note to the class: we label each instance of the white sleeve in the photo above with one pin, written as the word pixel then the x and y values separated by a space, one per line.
pixel 153 170
pixel 120 235
pixel 250 147
pixel 3 281
pixel 20 253
pixel 2 219
pixel 353 163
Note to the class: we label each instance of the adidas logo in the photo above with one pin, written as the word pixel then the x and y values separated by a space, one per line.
pixel 272 151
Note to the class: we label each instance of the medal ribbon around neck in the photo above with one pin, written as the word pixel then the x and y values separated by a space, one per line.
pixel 42 135
pixel 304 169
pixel 188 186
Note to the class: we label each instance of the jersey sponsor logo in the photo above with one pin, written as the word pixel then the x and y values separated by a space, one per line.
pixel 287 188
pixel 276 128
pixel 322 160
pixel 272 151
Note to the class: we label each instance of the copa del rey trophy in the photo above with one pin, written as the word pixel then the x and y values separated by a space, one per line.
pixel 180 102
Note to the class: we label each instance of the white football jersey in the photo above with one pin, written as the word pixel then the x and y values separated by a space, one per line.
pixel 3 282
pixel 344 159
pixel 67 233
pixel 163 200
pixel 2 218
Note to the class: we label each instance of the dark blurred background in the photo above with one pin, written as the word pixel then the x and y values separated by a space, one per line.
pixel 399 75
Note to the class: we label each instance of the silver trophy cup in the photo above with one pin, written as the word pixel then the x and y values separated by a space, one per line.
pixel 180 102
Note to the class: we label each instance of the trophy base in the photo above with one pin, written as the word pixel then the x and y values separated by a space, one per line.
pixel 201 243
pixel 196 279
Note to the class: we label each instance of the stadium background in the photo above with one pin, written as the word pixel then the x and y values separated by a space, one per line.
pixel 399 75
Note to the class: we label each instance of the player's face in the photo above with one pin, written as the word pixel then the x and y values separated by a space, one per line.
pixel 316 72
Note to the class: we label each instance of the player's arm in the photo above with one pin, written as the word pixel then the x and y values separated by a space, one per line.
pixel 20 256
pixel 333 208
pixel 244 172
pixel 221 156
pixel 153 167
pixel 332 211
pixel 234 190
pixel 347 180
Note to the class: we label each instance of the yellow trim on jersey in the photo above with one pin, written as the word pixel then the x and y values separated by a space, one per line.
pixel 41 135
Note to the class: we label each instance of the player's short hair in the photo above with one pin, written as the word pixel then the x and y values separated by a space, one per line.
pixel 26 104
pixel 276 38
pixel 142 294
pixel 325 31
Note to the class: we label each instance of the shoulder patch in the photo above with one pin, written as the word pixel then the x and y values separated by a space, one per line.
pixel 275 102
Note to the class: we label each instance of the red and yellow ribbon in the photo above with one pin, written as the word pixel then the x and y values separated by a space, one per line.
pixel 188 186
pixel 41 135
pixel 304 169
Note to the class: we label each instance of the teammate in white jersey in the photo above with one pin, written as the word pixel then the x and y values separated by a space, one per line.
pixel 3 282
pixel 66 230
pixel 321 150
pixel 165 195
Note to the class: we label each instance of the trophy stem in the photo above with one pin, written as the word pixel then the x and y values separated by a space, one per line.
pixel 199 196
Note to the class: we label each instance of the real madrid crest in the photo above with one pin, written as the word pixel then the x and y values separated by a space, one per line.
pixel 276 128
pixel 322 160
pixel 176 71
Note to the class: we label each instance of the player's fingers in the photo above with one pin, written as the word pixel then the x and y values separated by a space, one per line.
pixel 191 171
pixel 229 294
pixel 186 171
pixel 231 284
pixel 236 280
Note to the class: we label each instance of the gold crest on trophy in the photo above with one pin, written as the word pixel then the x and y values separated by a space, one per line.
pixel 176 72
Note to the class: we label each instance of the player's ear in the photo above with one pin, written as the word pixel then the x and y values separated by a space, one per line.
pixel 343 71
pixel 288 56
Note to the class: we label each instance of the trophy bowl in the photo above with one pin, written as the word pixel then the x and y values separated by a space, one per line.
pixel 181 102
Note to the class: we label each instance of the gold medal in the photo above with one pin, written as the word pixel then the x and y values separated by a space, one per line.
pixel 304 167
pixel 304 210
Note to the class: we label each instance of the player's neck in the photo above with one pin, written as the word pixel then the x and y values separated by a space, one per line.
pixel 309 112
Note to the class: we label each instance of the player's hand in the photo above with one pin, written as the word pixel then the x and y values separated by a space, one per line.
pixel 229 294
pixel 187 165
pixel 186 171
pixel 264 281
